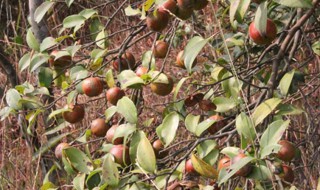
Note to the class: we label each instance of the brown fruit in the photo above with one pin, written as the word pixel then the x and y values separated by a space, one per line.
pixel 183 13
pixel 110 135
pixel 207 105
pixel 114 94
pixel 127 61
pixel 61 62
pixel 162 89
pixel 245 170
pixel 158 21
pixel 141 71
pixel 74 116
pixel 99 127
pixel 160 49
pixel 180 61
pixel 200 4
pixel 169 5
pixel 219 124
pixel 262 39
pixel 193 99
pixel 287 151
pixel 158 147
pixel 189 167
pixel 224 163
pixel 185 4
pixel 121 154
pixel 59 148
pixel 92 86
pixel 288 175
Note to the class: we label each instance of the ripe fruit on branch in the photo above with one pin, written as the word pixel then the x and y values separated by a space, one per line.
pixel 99 127
pixel 114 94
pixel 160 49
pixel 59 148
pixel 75 115
pixel 224 163
pixel 92 86
pixel 245 170
pixel 287 175
pixel 158 20
pixel 61 62
pixel 193 99
pixel 200 4
pixel 110 135
pixel 262 39
pixel 189 167
pixel 141 71
pixel 180 61
pixel 185 4
pixel 184 13
pixel 287 151
pixel 162 89
pixel 121 154
pixel 127 61
pixel 219 124
pixel 169 5
pixel 207 105
pixel 158 147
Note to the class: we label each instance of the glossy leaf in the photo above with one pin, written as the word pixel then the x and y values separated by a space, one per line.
pixel 129 79
pixel 224 104
pixel 110 173
pixel 42 10
pixel 135 140
pixel 230 151
pixel 167 130
pixel 101 40
pixel 274 132
pixel 285 82
pixel 260 20
pixel 124 130
pixel 110 112
pixel 145 156
pixel 45 77
pixel 204 125
pixel 32 41
pixel 245 127
pixel 126 107
pixel 12 99
pixel 47 43
pixel 191 123
pixel 192 50
pixel 73 20
pixel 264 109
pixel 78 159
pixel 24 62
pixel 38 60
pixel 79 181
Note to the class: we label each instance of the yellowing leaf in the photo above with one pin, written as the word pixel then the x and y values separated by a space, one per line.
pixel 203 168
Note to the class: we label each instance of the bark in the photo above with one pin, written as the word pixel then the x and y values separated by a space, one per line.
pixel 9 69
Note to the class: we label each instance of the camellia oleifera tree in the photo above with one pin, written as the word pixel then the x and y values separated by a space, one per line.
pixel 170 94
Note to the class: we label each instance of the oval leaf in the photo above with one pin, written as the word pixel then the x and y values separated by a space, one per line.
pixel 110 173
pixel 167 130
pixel 192 49
pixel 145 156
pixel 42 10
pixel 126 107
pixel 264 109
pixel 203 168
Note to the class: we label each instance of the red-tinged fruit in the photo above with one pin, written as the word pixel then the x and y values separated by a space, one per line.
pixel 126 61
pixel 245 170
pixel 61 62
pixel 121 154
pixel 141 71
pixel 219 124
pixel 169 5
pixel 162 89
pixel 92 86
pixel 263 39
pixel 158 149
pixel 75 115
pixel 160 49
pixel 288 174
pixel 200 4
pixel 158 20
pixel 114 94
pixel 99 127
pixel 59 148
pixel 110 135
pixel 224 162
pixel 287 151
pixel 189 167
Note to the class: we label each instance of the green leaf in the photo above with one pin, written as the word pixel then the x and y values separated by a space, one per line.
pixel 264 109
pixel 110 79
pixel 45 77
pixel 135 140
pixel 126 107
pixel 316 47
pixel 192 50
pixel 101 39
pixel 274 132
pixel 129 11
pixel 124 130
pixel 204 148
pixel 87 13
pixel 242 9
pixel 224 104
pixel 204 125
pixel 285 82
pixel 145 156
pixel 5 112
pixel 234 4
pixel 51 143
pixel 203 168
pixel 24 62
pixel 56 129
pixel 58 111
pixel 78 72
pixel 78 181
pixel 260 20
pixel 231 86
pixel 78 159
pixel 177 89
pixel 260 172
pixel 230 151
pixel 295 3
pixel 32 41
pixel 110 112
pixel 12 99
pixel 73 20
pixel 269 149
pixel 93 180
pixel 167 130
pixel 128 78
pixel 245 127
pixel 69 2
pixel 38 60
pixel 191 123
pixel 288 109
pixel 110 173
pixel 148 60
pixel 47 43
pixel 42 10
